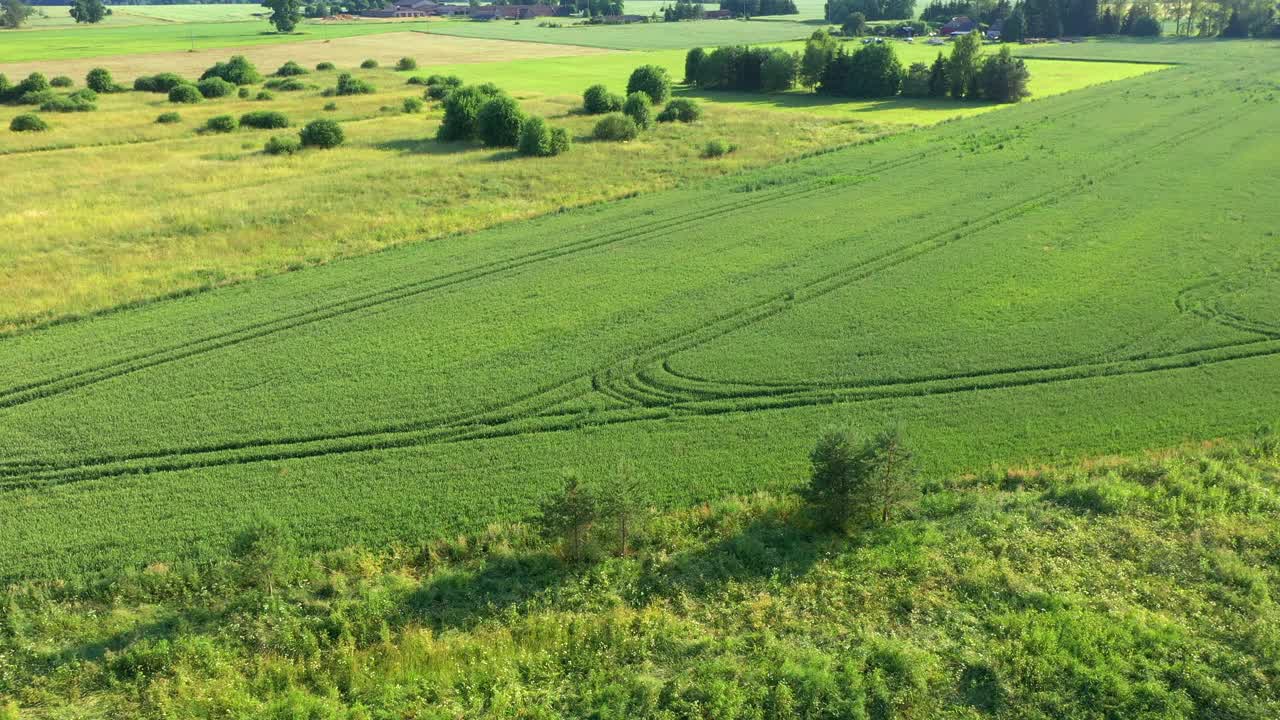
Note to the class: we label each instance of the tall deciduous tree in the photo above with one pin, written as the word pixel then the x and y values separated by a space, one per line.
pixel 88 11
pixel 285 14
pixel 569 515
pixel 13 13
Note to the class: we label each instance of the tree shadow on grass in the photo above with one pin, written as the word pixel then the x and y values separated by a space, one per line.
pixel 798 100
pixel 460 598
pixel 424 146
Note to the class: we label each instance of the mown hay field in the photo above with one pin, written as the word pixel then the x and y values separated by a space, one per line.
pixel 1044 280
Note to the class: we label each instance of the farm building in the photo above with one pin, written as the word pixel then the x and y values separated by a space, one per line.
pixel 515 12
pixel 718 15
pixel 415 8
pixel 960 25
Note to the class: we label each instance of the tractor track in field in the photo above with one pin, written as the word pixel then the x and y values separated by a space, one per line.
pixel 645 397
pixel 24 393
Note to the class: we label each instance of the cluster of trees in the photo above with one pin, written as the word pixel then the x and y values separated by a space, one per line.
pixel 36 89
pixel 838 11
pixel 683 10
pixel 1057 18
pixel 851 484
pixel 625 117
pixel 754 8
pixel 486 113
pixel 739 67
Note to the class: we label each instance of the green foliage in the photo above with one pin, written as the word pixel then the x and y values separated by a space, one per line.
pixel 243 93
pixel 819 51
pixel 14 13
pixel 88 11
pixel 99 80
pixel 963 65
pixel 322 66
pixel 188 94
pixel 692 60
pixel 568 516
pixel 412 105
pixel 282 145
pixel 264 95
pixel 652 80
pixel 321 134
pixel 871 72
pixel 717 148
pixel 855 25
pixel 81 101
pixel 1003 78
pixel 27 122
pixel 639 109
pixel 438 86
pixel 615 126
pixel 237 71
pixel 915 82
pixel 161 83
pixel 745 68
pixel 61 81
pixel 215 87
pixel 285 15
pixel 681 110
pixel 498 122
pixel 462 113
pixel 292 69
pixel 406 63
pixel 330 107
pixel 849 482
pixel 264 119
pixel 293 84
pixel 369 64
pixel 348 85
pixel 597 100
pixel 168 118
pixel 221 124
pixel 779 71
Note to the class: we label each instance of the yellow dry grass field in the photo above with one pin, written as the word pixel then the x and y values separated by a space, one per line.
pixel 386 48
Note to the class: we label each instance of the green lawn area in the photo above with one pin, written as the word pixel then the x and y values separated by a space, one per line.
pixel 1043 281
pixel 223 12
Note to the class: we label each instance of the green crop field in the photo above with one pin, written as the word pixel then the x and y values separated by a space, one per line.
pixel 197 13
pixel 638 36
pixel 1089 272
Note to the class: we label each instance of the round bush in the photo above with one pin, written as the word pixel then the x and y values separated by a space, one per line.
pixel 185 94
pixel 61 81
pixel 412 105
pixel 264 119
pixel 264 95
pixel 348 85
pixel 291 68
pixel 597 100
pixel 369 64
pixel 243 93
pixel 289 84
pixel 717 148
pixel 324 66
pixel 615 126
pixel 680 110
pixel 71 103
pixel 215 87
pixel 99 80
pixel 651 80
pixel 539 140
pixel 35 82
pixel 161 83
pixel 28 122
pixel 169 118
pixel 321 134
pixel 221 123
pixel 461 113
pixel 406 63
pixel 282 145
pixel 237 70
pixel 331 106
pixel 638 108
pixel 498 123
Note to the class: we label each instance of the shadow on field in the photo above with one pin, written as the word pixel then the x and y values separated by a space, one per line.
pixel 424 146
pixel 809 100
pixel 459 599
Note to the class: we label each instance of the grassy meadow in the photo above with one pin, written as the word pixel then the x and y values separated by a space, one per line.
pixel 637 36
pixel 162 230
pixel 1116 588
pixel 1036 282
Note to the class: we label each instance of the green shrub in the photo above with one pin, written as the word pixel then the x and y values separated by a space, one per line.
pixel 498 122
pixel 915 83
pixel 348 85
pixel 1003 78
pixel 264 119
pixel 680 110
pixel 406 63
pixel 539 140
pixel 438 86
pixel 461 113
pixel 61 81
pixel 321 134
pixel 185 94
pixel 331 106
pixel 27 122
pixel 161 83
pixel 638 108
pixel 412 105
pixel 651 80
pixel 237 71
pixel 416 80
pixel 615 126
pixel 717 148
pixel 221 123
pixel 324 66
pixel 264 95
pixel 692 60
pixel 215 87
pixel 597 100
pixel 36 86
pixel 99 80
pixel 289 84
pixel 779 71
pixel 282 145
pixel 369 64
pixel 243 93
pixel 70 103
pixel 291 68
pixel 168 118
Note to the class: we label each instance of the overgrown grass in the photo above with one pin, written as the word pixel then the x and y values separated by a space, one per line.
pixel 1140 587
